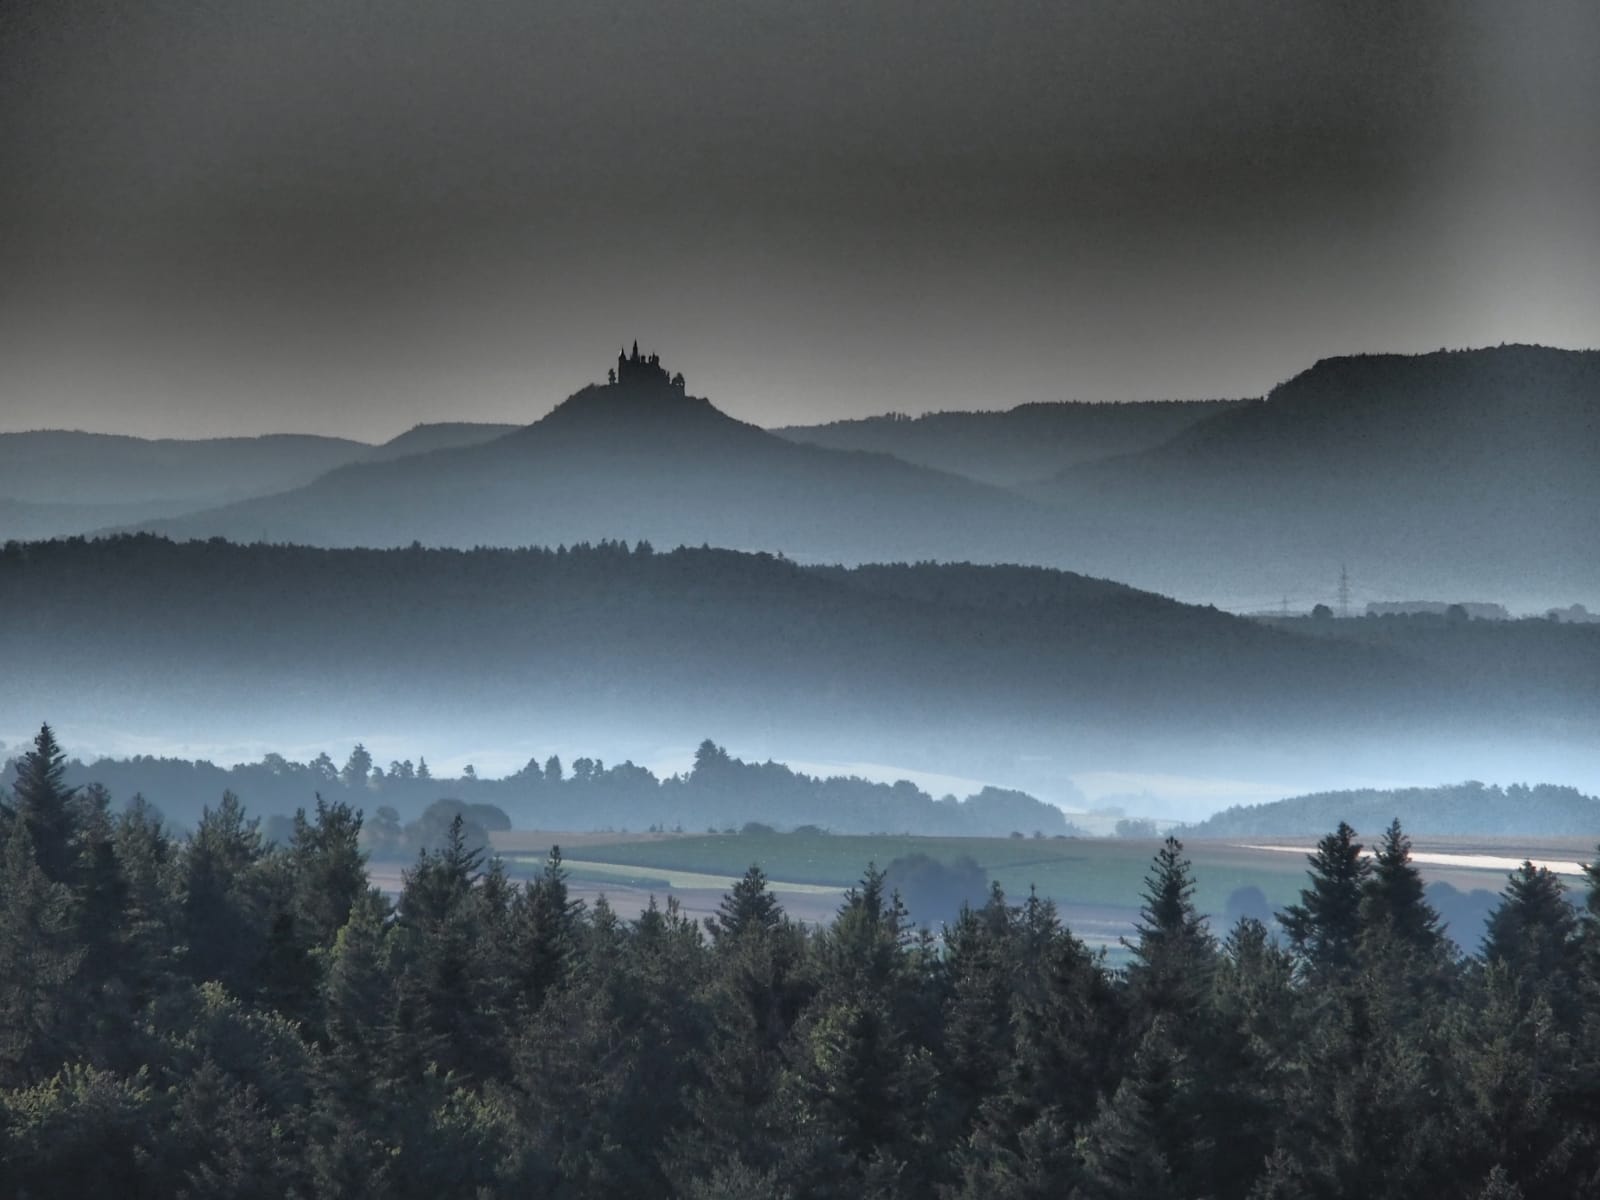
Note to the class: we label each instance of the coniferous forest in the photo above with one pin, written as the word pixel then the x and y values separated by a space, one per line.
pixel 207 1016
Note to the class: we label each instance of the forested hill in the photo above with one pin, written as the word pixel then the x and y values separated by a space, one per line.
pixel 1019 445
pixel 961 669
pixel 646 461
pixel 1465 809
pixel 1463 473
pixel 584 794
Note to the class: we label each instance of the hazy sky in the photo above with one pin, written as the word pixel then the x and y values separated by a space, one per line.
pixel 347 216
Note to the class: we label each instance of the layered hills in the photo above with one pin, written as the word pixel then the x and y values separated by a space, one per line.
pixel 1470 475
pixel 60 482
pixel 1457 474
pixel 1461 475
pixel 1013 676
pixel 643 461
pixel 1017 446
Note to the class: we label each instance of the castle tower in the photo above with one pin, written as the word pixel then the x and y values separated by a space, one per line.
pixel 639 368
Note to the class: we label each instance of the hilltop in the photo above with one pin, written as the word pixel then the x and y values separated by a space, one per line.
pixel 641 459
pixel 1454 473
pixel 1463 809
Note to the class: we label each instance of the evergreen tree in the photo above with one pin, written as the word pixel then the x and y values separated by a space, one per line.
pixel 1325 927
pixel 357 767
pixel 544 934
pixel 1174 955
pixel 144 856
pixel 327 868
pixel 1393 895
pixel 1534 932
pixel 39 965
pixel 43 807
pixel 223 909
pixel 748 908
pixel 1142 1139
pixel 445 1010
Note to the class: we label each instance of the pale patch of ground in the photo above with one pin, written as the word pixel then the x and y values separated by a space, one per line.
pixel 1499 863
pixel 694 879
pixel 539 841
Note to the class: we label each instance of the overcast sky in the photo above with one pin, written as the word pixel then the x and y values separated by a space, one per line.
pixel 348 216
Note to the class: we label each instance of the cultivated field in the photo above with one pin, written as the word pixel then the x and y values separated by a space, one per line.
pixel 1096 883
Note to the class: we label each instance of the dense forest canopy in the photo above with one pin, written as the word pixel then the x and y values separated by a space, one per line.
pixel 213 1016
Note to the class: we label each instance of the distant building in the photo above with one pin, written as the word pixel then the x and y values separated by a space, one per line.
pixel 1437 608
pixel 636 368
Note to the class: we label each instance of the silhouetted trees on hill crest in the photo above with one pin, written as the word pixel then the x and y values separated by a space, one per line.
pixel 411 808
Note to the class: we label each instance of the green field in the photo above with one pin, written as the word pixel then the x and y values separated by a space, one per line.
pixel 652 876
pixel 1071 871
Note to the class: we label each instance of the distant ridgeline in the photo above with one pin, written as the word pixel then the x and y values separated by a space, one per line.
pixel 720 791
pixel 1472 808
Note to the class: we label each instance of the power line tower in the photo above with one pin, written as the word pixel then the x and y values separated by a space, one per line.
pixel 1344 591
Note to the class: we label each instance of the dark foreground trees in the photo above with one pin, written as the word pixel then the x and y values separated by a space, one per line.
pixel 217 1017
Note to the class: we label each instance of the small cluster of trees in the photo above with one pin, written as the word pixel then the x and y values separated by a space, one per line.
pixel 211 1017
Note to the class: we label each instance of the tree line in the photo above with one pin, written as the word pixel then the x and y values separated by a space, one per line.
pixel 719 791
pixel 207 1016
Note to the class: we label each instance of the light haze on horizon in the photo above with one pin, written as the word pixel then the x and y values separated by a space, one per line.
pixel 314 217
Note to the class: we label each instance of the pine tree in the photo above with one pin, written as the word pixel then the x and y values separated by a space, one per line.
pixel 1141 1139
pixel 855 1101
pixel 43 806
pixel 976 1049
pixel 544 934
pixel 100 908
pixel 145 856
pixel 327 868
pixel 1174 956
pixel 39 965
pixel 356 996
pixel 1393 895
pixel 1325 927
pixel 223 910
pixel 749 908
pixel 1534 932
pixel 445 993
pixel 866 947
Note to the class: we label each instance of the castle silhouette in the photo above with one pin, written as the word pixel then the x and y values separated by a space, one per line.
pixel 637 369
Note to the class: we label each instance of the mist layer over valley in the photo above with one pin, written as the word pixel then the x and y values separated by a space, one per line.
pixel 1020 677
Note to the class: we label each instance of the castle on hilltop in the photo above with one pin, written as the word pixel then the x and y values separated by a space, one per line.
pixel 635 368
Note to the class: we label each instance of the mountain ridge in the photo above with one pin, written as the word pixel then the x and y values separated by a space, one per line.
pixel 639 461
